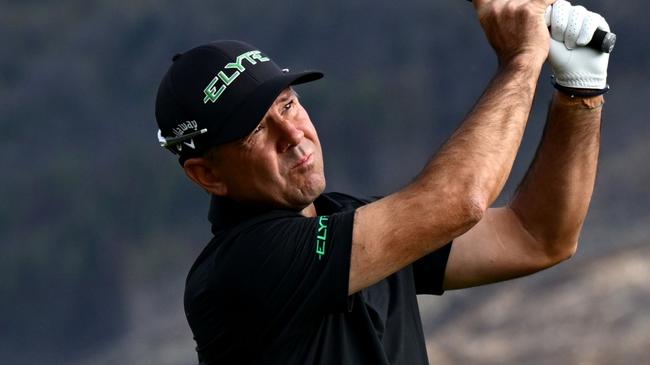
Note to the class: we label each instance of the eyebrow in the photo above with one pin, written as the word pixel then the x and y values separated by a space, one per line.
pixel 288 96
pixel 281 100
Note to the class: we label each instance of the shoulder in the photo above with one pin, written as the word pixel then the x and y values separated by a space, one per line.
pixel 349 201
pixel 282 259
pixel 284 238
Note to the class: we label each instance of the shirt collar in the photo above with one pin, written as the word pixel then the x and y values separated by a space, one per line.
pixel 226 213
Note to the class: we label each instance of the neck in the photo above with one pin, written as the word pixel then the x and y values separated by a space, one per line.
pixel 309 211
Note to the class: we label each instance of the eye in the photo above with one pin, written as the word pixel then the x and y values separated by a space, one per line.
pixel 287 106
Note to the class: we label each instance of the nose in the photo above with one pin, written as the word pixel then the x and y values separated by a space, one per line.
pixel 288 135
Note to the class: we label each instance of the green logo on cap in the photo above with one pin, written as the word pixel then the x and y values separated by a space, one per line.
pixel 212 93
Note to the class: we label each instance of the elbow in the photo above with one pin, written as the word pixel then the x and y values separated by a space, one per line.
pixel 472 210
pixel 476 210
pixel 562 245
pixel 553 241
pixel 571 250
pixel 567 251
pixel 477 205
pixel 448 213
pixel 561 251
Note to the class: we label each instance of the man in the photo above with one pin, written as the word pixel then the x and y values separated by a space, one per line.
pixel 295 276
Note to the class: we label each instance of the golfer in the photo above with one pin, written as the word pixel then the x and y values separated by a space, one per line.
pixel 294 275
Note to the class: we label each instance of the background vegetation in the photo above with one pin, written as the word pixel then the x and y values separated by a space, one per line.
pixel 98 226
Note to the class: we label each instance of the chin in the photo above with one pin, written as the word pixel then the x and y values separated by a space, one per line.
pixel 308 193
pixel 317 186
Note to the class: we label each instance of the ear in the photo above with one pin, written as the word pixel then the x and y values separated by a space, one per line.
pixel 206 175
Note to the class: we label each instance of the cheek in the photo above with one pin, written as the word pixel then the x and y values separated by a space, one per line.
pixel 250 168
pixel 266 170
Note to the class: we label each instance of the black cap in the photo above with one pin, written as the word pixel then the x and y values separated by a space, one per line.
pixel 218 93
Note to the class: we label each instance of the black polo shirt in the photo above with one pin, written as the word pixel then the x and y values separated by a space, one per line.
pixel 271 288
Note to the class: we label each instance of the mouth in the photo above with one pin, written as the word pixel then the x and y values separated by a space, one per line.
pixel 304 161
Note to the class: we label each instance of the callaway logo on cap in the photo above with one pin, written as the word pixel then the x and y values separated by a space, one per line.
pixel 218 93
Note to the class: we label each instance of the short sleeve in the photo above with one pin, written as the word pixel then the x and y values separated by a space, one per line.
pixel 293 266
pixel 429 271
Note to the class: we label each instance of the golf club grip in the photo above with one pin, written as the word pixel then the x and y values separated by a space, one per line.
pixel 602 41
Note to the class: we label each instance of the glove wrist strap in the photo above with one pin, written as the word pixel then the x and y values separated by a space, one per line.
pixel 578 93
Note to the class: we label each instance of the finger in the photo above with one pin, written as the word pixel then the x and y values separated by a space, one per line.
pixel 602 23
pixel 574 26
pixel 589 26
pixel 560 19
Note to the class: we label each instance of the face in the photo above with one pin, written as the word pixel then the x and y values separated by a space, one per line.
pixel 280 163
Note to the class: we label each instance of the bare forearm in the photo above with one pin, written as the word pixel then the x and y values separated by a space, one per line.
pixel 453 191
pixel 478 157
pixel 553 199
pixel 465 177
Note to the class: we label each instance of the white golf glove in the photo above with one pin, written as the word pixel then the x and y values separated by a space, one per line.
pixel 574 65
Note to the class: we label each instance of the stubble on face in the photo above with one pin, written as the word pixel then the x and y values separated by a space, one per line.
pixel 258 174
pixel 307 172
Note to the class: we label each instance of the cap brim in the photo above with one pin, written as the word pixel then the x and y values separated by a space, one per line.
pixel 246 116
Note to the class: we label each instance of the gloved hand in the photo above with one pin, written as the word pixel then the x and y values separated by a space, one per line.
pixel 575 66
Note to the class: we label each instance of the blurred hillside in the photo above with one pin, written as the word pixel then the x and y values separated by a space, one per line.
pixel 98 225
pixel 587 313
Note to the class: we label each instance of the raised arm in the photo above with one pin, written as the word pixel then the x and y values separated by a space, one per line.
pixel 467 174
pixel 541 225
